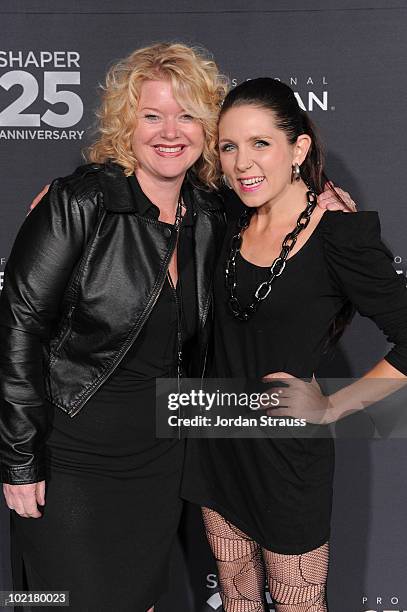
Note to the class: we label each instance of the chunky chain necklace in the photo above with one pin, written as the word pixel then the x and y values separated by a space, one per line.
pixel 277 267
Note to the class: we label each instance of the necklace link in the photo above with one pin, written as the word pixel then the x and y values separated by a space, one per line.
pixel 262 296
pixel 276 269
pixel 279 263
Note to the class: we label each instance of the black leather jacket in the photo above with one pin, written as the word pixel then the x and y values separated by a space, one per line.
pixel 82 278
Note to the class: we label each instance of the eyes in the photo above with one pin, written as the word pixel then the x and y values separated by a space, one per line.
pixel 153 118
pixel 225 148
pixel 257 144
pixel 150 117
pixel 260 144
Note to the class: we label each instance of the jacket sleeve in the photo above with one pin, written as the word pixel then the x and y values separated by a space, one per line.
pixel 44 255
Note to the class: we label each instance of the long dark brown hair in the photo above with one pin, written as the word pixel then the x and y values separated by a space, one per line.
pixel 279 98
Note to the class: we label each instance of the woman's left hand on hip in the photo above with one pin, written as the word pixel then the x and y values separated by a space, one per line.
pixel 300 399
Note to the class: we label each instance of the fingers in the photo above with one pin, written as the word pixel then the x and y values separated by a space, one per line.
pixel 346 198
pixel 294 388
pixel 38 198
pixel 314 383
pixel 274 375
pixel 40 493
pixel 328 199
pixel 23 498
pixel 328 188
pixel 280 412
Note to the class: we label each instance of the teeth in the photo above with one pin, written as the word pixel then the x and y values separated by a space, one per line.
pixel 252 181
pixel 169 149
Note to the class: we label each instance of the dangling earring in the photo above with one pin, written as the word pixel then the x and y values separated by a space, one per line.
pixel 296 173
pixel 225 181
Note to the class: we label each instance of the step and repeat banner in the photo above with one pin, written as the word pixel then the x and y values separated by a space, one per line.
pixel 346 61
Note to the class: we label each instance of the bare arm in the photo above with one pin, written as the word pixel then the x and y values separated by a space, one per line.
pixel 361 269
pixel 305 400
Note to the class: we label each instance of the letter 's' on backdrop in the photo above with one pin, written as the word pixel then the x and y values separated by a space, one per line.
pixel 347 62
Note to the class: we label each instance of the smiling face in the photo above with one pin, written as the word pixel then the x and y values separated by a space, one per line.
pixel 256 156
pixel 167 141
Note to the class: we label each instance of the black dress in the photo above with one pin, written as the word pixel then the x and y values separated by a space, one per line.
pixel 279 491
pixel 112 503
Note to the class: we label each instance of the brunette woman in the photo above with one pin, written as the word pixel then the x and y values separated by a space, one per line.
pixel 287 281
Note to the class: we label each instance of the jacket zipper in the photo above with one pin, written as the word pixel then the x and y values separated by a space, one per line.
pixel 206 309
pixel 72 284
pixel 203 366
pixel 179 320
pixel 67 330
pixel 178 305
pixel 179 330
pixel 145 316
pixel 205 316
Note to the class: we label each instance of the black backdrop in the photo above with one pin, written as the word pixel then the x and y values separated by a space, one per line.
pixel 347 62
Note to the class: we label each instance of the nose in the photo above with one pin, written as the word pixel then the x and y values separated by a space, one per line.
pixel 170 128
pixel 243 161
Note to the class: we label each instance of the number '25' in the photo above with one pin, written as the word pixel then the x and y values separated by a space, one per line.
pixel 13 114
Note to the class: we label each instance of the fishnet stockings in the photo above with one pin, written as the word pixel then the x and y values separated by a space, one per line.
pixel 296 582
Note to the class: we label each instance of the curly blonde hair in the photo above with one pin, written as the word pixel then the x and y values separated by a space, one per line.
pixel 197 86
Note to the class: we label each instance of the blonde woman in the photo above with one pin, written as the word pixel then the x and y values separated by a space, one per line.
pixel 99 299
